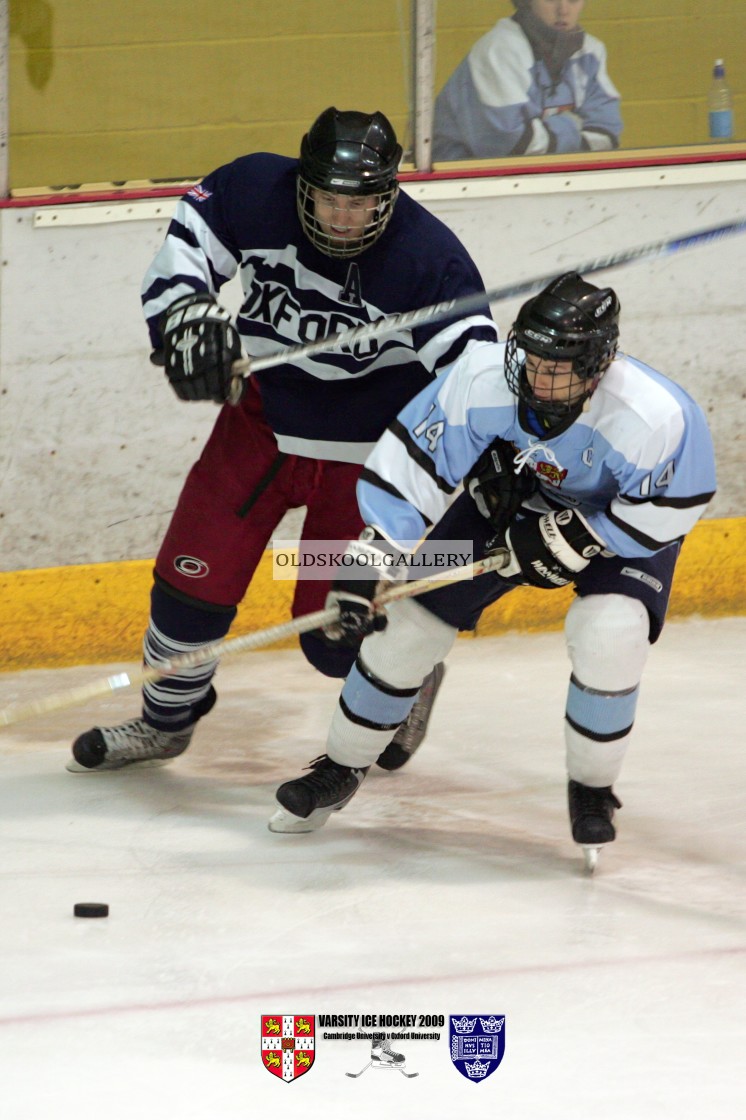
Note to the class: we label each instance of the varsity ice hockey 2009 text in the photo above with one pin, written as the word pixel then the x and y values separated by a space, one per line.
pixel 403 1022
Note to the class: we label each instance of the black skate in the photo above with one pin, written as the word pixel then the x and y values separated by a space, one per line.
pixel 411 733
pixel 135 743
pixel 591 815
pixel 307 803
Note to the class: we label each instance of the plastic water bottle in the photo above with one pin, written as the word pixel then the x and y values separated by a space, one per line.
pixel 720 104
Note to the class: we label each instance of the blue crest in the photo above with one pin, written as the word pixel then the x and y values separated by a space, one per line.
pixel 477 1044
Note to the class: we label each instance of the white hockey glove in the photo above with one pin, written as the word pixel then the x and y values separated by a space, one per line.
pixel 200 345
pixel 549 549
pixel 366 562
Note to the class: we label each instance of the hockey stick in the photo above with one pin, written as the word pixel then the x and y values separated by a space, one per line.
pixel 464 306
pixel 362 1071
pixel 16 713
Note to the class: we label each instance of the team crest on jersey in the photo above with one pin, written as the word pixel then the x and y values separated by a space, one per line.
pixel 199 193
pixel 288 1044
pixel 477 1044
pixel 551 473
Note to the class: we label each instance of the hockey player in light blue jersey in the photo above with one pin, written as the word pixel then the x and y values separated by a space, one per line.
pixel 533 85
pixel 321 244
pixel 584 466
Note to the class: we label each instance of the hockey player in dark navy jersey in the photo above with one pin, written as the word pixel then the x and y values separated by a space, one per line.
pixel 320 244
pixel 582 466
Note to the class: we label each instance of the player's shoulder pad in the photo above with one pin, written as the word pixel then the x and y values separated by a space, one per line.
pixel 248 172
pixel 422 229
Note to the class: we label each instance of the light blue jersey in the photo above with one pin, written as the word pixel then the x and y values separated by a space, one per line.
pixel 638 462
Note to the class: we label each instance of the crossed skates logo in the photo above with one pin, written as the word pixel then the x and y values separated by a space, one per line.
pixel 383 1056
pixel 476 1051
pixel 288 1045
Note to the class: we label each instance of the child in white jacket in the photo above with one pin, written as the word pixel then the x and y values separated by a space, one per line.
pixel 535 84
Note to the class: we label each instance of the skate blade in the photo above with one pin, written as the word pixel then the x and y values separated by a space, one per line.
pixel 397 1067
pixel 284 821
pixel 591 852
pixel 75 768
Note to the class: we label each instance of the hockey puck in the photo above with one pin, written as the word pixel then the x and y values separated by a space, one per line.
pixel 91 910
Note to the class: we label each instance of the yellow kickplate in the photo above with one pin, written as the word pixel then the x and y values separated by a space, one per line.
pixel 96 613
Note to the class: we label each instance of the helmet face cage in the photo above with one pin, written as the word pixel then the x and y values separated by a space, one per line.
pixel 570 321
pixel 353 154
pixel 379 209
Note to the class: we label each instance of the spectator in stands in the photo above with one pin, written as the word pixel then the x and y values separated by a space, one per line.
pixel 535 84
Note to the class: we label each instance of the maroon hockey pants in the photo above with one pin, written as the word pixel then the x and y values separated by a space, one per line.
pixel 233 499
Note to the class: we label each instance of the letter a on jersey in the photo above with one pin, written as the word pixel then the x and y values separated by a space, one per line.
pixel 288 1045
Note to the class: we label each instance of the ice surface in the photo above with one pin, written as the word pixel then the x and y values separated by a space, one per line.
pixel 450 886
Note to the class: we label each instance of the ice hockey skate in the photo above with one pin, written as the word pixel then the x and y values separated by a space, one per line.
pixel 412 732
pixel 307 803
pixel 135 743
pixel 591 816
pixel 382 1056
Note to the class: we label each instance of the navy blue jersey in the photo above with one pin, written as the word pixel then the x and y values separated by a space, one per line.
pixel 243 219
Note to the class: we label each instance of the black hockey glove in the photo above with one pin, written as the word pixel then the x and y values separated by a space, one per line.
pixel 365 563
pixel 200 345
pixel 496 488
pixel 548 549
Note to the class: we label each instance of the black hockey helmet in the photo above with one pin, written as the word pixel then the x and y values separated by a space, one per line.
pixel 569 321
pixel 348 153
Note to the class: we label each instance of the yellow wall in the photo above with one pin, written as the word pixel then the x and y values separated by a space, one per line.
pixel 106 90
pixel 112 90
pixel 82 614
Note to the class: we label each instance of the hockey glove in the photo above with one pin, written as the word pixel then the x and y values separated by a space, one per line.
pixel 200 345
pixel 368 561
pixel 496 488
pixel 549 549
